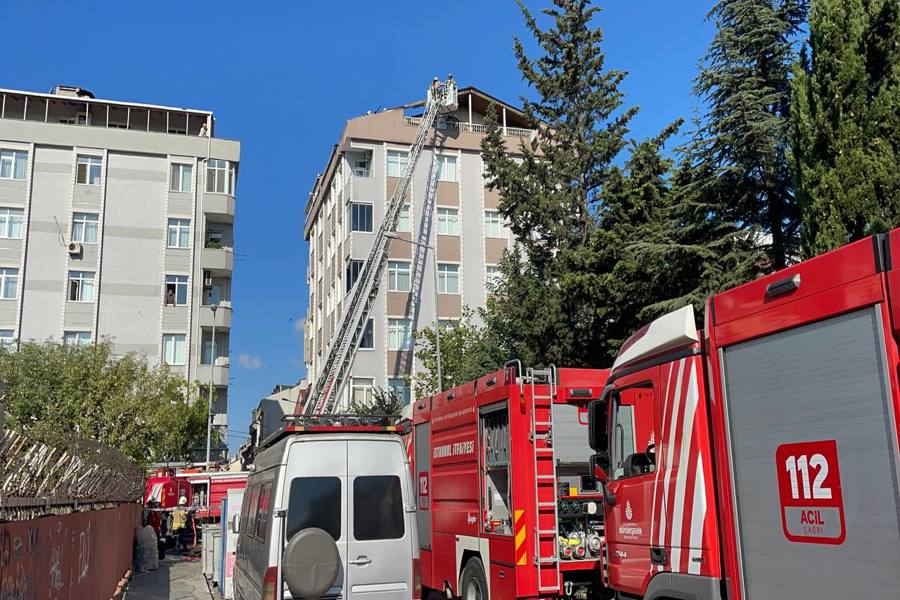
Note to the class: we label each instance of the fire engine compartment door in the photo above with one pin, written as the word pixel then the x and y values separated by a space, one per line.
pixel 422 479
pixel 822 385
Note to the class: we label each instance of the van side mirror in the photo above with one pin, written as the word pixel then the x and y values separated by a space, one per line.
pixel 236 524
pixel 598 438
pixel 599 467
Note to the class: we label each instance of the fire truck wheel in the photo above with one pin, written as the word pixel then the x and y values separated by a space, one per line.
pixel 472 582
pixel 310 563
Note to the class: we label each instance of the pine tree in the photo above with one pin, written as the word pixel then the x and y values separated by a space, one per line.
pixel 740 143
pixel 846 122
pixel 551 306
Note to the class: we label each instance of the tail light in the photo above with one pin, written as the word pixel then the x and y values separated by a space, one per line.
pixel 270 584
pixel 417 580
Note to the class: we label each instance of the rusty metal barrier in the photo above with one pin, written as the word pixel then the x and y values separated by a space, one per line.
pixel 78 556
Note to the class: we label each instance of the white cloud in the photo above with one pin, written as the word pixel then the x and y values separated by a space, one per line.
pixel 250 362
pixel 298 325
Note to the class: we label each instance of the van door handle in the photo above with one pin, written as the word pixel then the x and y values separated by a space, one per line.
pixel 361 560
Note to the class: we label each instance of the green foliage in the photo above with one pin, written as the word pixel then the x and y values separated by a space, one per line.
pixel 739 146
pixel 846 122
pixel 147 413
pixel 385 402
pixel 467 352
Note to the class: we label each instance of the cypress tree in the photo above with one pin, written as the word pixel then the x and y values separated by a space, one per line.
pixel 740 142
pixel 552 306
pixel 846 122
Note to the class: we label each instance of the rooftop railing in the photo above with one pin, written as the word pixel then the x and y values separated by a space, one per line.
pixel 519 132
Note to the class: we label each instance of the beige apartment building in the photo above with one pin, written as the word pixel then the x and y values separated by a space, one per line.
pixel 460 221
pixel 117 220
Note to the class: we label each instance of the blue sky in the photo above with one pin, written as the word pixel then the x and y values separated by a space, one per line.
pixel 283 77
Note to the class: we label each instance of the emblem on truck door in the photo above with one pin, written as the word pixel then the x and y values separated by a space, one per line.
pixel 809 487
pixel 628 512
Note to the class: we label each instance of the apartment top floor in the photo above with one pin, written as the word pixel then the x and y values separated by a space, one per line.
pixel 68 113
pixel 460 130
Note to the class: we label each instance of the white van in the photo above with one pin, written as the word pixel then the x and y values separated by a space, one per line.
pixel 329 512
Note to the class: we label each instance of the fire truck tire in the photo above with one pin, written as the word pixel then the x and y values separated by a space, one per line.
pixel 310 563
pixel 472 582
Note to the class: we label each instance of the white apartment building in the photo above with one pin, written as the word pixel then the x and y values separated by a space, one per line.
pixel 116 220
pixel 347 204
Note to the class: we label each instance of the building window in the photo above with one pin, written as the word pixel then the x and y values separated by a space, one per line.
pixel 76 338
pixel 404 221
pixel 446 324
pixel 448 221
pixel 494 226
pixel 182 175
pixel 446 166
pixel 179 233
pixel 89 170
pixel 396 162
pixel 448 278
pixel 360 217
pixel 399 336
pixel 84 227
pixel 81 286
pixel 219 176
pixel 491 277
pixel 13 164
pixel 174 347
pixel 7 338
pixel 400 388
pixel 9 283
pixel 362 390
pixel 398 276
pixel 176 290
pixel 367 341
pixel 11 223
pixel 354 267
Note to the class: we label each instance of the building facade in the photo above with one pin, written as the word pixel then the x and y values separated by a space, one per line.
pixel 116 220
pixel 460 220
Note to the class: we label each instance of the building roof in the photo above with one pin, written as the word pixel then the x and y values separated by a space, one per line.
pixel 387 125
pixel 91 99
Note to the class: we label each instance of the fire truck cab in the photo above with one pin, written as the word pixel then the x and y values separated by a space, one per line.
pixel 507 506
pixel 758 458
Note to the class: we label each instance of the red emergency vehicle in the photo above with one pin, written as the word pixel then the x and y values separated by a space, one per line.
pixel 507 505
pixel 758 459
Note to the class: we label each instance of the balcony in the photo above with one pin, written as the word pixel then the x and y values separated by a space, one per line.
pixel 517 132
pixel 217 260
pixel 219 373
pixel 223 316
pixel 219 206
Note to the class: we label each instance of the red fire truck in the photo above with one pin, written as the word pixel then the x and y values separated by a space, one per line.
pixel 507 505
pixel 758 459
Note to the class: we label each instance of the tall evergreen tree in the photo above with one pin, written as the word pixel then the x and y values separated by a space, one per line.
pixel 846 122
pixel 740 143
pixel 551 306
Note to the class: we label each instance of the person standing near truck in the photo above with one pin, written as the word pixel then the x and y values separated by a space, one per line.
pixel 179 521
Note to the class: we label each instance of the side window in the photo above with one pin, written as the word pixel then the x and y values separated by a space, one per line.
pixel 632 443
pixel 377 508
pixel 249 524
pixel 265 500
pixel 315 502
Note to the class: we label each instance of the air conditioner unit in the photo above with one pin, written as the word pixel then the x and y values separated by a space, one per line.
pixel 222 361
pixel 75 248
pixel 207 279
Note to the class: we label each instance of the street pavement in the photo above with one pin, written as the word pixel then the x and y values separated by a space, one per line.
pixel 175 579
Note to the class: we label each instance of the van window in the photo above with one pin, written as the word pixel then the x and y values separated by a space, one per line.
pixel 249 523
pixel 265 500
pixel 315 502
pixel 377 508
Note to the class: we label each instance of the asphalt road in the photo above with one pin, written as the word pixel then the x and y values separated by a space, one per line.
pixel 176 579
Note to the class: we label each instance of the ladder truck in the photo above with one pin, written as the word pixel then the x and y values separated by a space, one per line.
pixel 758 458
pixel 323 398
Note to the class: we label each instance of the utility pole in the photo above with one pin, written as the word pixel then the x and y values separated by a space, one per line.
pixel 212 372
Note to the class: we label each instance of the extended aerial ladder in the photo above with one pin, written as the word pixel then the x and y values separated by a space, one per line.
pixel 441 98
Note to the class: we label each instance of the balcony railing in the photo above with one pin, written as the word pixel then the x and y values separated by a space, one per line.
pixel 470 127
pixel 362 172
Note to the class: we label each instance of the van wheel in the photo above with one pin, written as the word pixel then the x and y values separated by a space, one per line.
pixel 472 582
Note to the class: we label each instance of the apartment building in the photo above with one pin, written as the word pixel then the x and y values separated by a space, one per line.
pixel 459 220
pixel 116 220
